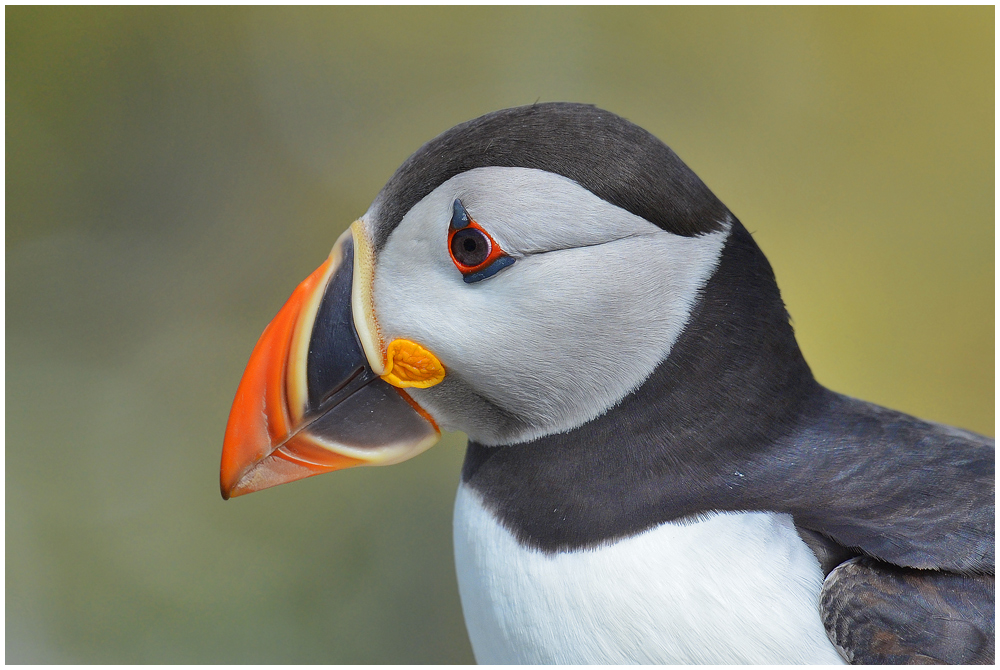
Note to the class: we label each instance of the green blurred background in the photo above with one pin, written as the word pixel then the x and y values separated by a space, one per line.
pixel 173 173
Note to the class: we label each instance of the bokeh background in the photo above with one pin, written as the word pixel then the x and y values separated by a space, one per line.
pixel 173 173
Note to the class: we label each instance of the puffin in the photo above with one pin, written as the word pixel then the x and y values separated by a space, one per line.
pixel 653 474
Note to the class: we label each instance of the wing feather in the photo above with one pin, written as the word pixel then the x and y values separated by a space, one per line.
pixel 876 612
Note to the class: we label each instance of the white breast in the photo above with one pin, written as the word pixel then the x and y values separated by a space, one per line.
pixel 732 588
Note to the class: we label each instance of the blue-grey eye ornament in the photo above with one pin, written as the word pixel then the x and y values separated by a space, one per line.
pixel 476 255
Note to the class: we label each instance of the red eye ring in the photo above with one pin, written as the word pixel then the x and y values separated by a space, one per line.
pixel 493 254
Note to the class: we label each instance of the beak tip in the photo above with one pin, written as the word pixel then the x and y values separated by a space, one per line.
pixel 233 485
pixel 226 491
pixel 234 491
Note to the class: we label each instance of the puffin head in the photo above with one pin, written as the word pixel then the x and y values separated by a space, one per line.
pixel 518 276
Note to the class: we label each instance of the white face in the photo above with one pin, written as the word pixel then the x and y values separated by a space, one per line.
pixel 594 302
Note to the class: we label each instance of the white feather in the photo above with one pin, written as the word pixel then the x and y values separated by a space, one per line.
pixel 730 588
pixel 594 302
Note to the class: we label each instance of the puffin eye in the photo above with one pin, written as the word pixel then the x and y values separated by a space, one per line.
pixel 470 247
pixel 475 254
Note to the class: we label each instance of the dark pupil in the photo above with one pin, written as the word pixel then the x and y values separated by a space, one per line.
pixel 470 247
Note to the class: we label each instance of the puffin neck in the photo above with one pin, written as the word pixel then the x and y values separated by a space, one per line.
pixel 734 384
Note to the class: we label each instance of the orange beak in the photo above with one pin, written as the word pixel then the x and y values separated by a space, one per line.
pixel 309 401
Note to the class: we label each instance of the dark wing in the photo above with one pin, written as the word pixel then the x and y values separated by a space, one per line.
pixel 887 485
pixel 876 612
pixel 900 514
